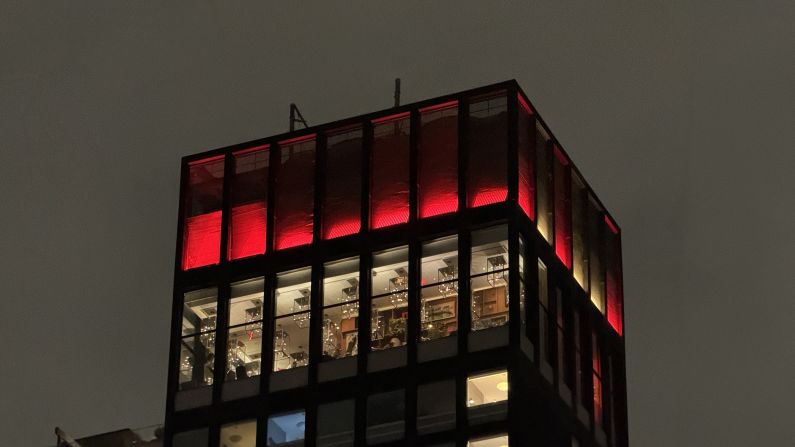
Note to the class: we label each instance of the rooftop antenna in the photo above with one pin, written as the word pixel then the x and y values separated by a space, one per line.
pixel 296 117
pixel 397 92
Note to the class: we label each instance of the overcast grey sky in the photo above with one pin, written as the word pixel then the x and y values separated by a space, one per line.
pixel 681 115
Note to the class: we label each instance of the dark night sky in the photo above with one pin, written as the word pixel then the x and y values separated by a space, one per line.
pixel 681 114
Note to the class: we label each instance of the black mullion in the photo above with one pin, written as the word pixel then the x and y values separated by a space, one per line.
pixel 512 176
pixel 274 162
pixel 365 289
pixel 221 323
pixel 414 129
pixel 367 149
pixel 268 328
pixel 315 348
pixel 412 338
pixel 464 324
pixel 463 155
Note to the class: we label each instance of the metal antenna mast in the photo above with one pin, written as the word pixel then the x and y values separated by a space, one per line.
pixel 296 117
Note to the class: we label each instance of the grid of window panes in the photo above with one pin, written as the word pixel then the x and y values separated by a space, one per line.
pixel 197 347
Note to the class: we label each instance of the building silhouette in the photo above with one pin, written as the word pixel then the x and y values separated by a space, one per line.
pixel 434 274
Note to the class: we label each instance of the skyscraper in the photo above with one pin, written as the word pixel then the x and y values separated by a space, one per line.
pixel 435 274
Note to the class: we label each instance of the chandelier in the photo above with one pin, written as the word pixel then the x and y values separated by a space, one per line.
pixel 447 276
pixel 254 321
pixel 350 296
pixel 495 267
pixel 330 339
pixel 398 288
pixel 301 305
pixel 207 327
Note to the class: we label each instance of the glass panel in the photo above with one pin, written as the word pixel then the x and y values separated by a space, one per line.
pixel 596 263
pixel 389 187
pixel 202 225
pixel 335 424
pixel 439 296
pixel 487 388
pixel 343 179
pixel 385 414
pixel 438 160
pixel 544 182
pixel 193 438
pixel 596 360
pixel 197 353
pixel 436 407
pixel 341 309
pixel 291 330
pixel 487 149
pixel 615 290
pixel 579 210
pixel 244 340
pixel 544 324
pixel 199 311
pixel 248 198
pixel 239 434
pixel 489 283
pixel 491 441
pixel 390 298
pixel 295 193
pixel 562 207
pixel 286 429
pixel 526 152
pixel 560 323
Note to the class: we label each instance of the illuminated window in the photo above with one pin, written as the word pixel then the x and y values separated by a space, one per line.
pixel 286 429
pixel 202 225
pixel 487 150
pixel 390 294
pixel 544 316
pixel 335 424
pixel 239 434
pixel 244 342
pixel 615 290
pixel 522 286
pixel 596 265
pixel 439 297
pixel 385 415
pixel 248 194
pixel 489 278
pixel 564 371
pixel 596 361
pixel 340 331
pixel 389 183
pixel 544 186
pixel 579 215
pixel 526 153
pixel 291 328
pixel 295 193
pixel 343 183
pixel 438 160
pixel 562 172
pixel 197 352
pixel 487 389
pixel 491 441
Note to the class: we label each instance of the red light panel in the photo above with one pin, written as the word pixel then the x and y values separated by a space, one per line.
pixel 202 240
pixel 247 232
pixel 487 197
pixel 437 176
pixel 387 217
pixel 343 229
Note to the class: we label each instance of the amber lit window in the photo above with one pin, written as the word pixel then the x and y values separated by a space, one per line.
pixel 485 389
pixel 490 441
pixel 615 291
pixel 579 214
pixel 596 264
pixel 239 434
pixel 390 293
pixel 544 186
pixel 389 183
pixel 438 160
pixel 244 341
pixel 197 349
pixel 291 325
pixel 339 334
pixel 343 181
pixel 248 197
pixel 439 296
pixel 201 244
pixel 487 150
pixel 295 193
pixel 489 277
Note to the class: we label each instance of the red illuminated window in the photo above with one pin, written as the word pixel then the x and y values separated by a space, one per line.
pixel 562 176
pixel 201 244
pixel 615 292
pixel 526 130
pixel 248 198
pixel 487 150
pixel 389 184
pixel 596 360
pixel 342 198
pixel 545 217
pixel 294 207
pixel 438 160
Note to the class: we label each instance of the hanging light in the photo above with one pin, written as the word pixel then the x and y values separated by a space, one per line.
pixel 301 305
pixel 495 267
pixel 398 288
pixel 350 296
pixel 447 276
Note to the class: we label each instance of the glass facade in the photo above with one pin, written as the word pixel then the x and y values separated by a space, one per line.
pixel 407 218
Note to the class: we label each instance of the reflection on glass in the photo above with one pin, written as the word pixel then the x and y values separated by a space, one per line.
pixel 192 438
pixel 340 309
pixel 385 414
pixel 291 326
pixel 342 195
pixel 197 349
pixel 544 182
pixel 437 166
pixel 202 225
pixel 244 341
pixel 487 389
pixel 239 434
pixel 439 295
pixel 248 194
pixel 390 293
pixel 286 429
pixel 436 406
pixel 487 147
pixel 489 281
pixel 389 180
pixel 335 424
